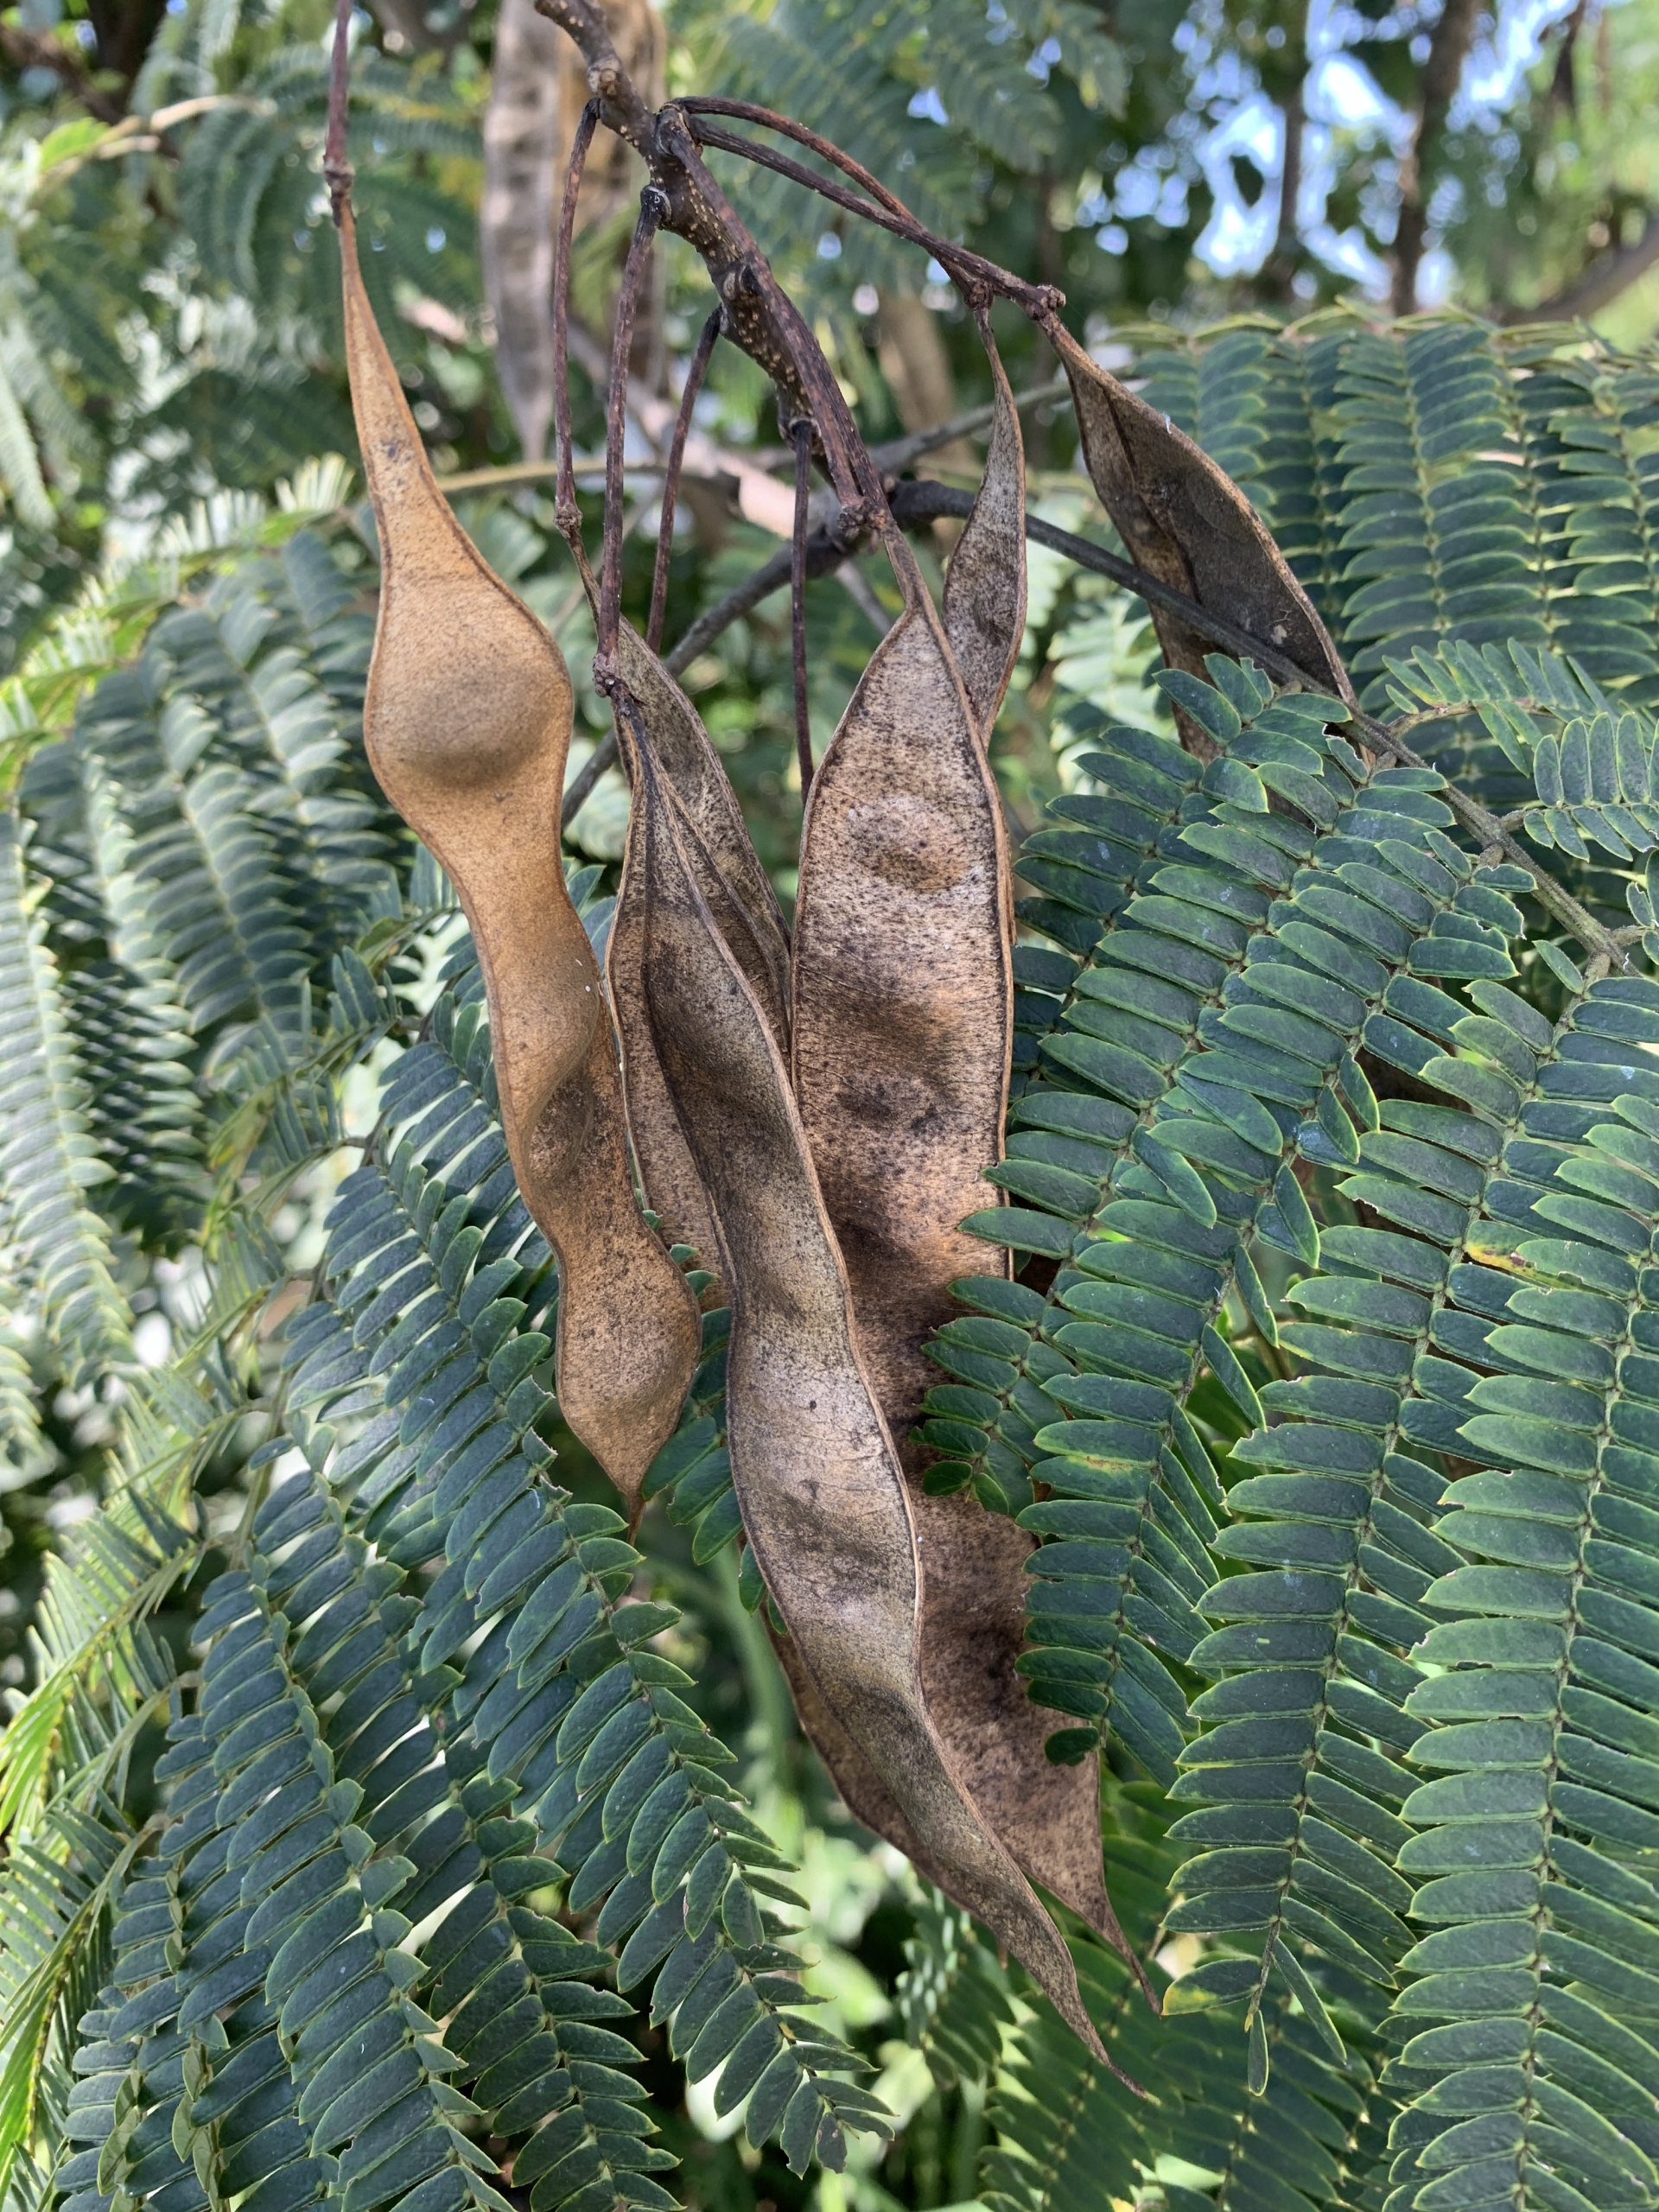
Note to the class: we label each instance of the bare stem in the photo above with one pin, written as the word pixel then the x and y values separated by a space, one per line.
pixel 915 504
pixel 616 431
pixel 761 318
pixel 976 276
pixel 803 435
pixel 565 494
pixel 694 377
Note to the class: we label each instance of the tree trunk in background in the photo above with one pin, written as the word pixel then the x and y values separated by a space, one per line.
pixel 918 370
pixel 537 91
pixel 1436 89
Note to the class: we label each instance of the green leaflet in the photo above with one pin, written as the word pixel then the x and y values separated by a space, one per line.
pixel 1309 2141
pixel 1368 453
pixel 1547 1708
pixel 954 1995
pixel 248 853
pixel 522 2036
pixel 1588 756
pixel 1267 1035
pixel 55 1895
pixel 1490 1824
pixel 120 2118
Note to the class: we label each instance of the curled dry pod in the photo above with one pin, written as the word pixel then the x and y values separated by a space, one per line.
pixel 985 585
pixel 739 893
pixel 467 721
pixel 902 1036
pixel 817 1479
pixel 1185 522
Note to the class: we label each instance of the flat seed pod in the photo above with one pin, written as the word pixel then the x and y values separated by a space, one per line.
pixel 818 1478
pixel 903 993
pixel 903 1020
pixel 1185 522
pixel 467 721
pixel 974 1595
pixel 984 609
pixel 697 778
pixel 739 893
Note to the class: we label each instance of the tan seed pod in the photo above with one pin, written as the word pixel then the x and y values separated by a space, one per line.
pixel 697 778
pixel 903 1027
pixel 1185 522
pixel 902 996
pixel 467 723
pixel 984 608
pixel 817 1477
pixel 739 893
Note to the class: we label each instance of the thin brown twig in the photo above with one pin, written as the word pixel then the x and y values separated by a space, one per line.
pixel 616 430
pixel 694 377
pixel 802 433
pixel 899 454
pixel 896 455
pixel 565 491
pixel 765 322
pixel 759 315
pixel 918 503
pixel 787 127
pixel 972 271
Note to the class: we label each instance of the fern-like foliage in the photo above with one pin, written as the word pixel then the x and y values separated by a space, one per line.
pixel 1069 2132
pixel 46 1157
pixel 954 1995
pixel 248 188
pixel 54 1893
pixel 886 78
pixel 1216 1026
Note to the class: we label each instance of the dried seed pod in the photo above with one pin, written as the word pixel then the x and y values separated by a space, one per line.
pixel 817 1477
pixel 467 721
pixel 902 1027
pixel 973 1605
pixel 739 894
pixel 984 608
pixel 758 937
pixel 902 993
pixel 1185 522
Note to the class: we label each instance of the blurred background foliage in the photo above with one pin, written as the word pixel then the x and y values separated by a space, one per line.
pixel 170 364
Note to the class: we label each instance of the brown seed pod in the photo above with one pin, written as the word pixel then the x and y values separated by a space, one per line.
pixel 984 608
pixel 902 1032
pixel 902 993
pixel 739 894
pixel 467 723
pixel 1185 522
pixel 817 1477
pixel 758 937
pixel 1046 1816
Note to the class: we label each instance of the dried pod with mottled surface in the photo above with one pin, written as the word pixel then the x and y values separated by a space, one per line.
pixel 1185 521
pixel 739 893
pixel 467 723
pixel 984 608
pixel 903 992
pixel 817 1477
pixel 902 1024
